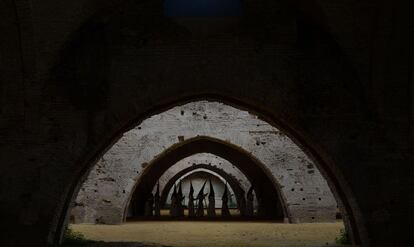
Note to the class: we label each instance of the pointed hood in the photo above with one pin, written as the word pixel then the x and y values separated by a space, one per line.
pixel 211 189
pixel 225 193
pixel 191 194
pixel 201 192
pixel 180 190
pixel 157 192
pixel 174 194
pixel 250 190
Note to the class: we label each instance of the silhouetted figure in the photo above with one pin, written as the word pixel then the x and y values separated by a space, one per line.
pixel 242 204
pixel 149 205
pixel 180 198
pixel 174 202
pixel 191 211
pixel 249 203
pixel 211 212
pixel 225 212
pixel 261 211
pixel 157 209
pixel 200 198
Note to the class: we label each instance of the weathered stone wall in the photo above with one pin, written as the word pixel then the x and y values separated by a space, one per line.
pixel 106 193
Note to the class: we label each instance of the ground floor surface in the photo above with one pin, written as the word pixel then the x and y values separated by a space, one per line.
pixel 208 234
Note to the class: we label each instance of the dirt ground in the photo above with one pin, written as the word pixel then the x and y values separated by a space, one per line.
pixel 207 234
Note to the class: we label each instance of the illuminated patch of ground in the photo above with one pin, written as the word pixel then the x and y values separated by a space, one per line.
pixel 207 234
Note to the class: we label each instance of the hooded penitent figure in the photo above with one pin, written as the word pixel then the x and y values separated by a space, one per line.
pixel 191 212
pixel 242 204
pixel 211 212
pixel 174 202
pixel 200 199
pixel 157 209
pixel 180 198
pixel 225 198
pixel 249 203
pixel 149 205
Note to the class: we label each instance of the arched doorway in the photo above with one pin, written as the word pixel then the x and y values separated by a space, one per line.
pixel 302 186
pixel 267 190
pixel 226 178
pixel 274 105
pixel 339 140
pixel 292 70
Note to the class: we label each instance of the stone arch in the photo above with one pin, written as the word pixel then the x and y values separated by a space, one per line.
pixel 233 185
pixel 204 173
pixel 115 175
pixel 222 175
pixel 277 114
pixel 305 128
pixel 249 165
pixel 209 161
pixel 297 129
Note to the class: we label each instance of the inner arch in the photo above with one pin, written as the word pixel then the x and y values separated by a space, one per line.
pixel 233 183
pixel 267 192
pixel 201 175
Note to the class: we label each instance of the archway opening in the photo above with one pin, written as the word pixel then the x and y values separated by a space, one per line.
pixel 267 192
pixel 235 188
pixel 202 144
pixel 196 179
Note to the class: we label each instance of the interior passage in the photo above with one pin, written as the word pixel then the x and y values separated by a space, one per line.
pixel 207 234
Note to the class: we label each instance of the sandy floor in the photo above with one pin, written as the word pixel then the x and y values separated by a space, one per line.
pixel 203 234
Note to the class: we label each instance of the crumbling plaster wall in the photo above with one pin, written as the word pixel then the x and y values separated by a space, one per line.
pixel 105 195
